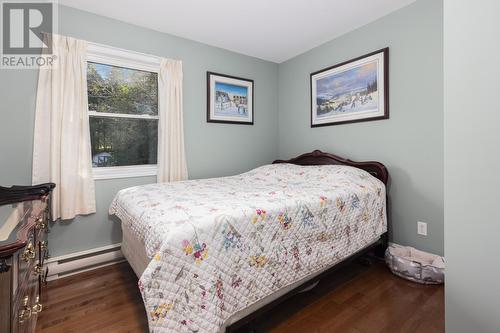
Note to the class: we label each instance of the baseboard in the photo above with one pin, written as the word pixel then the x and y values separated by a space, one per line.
pixel 83 261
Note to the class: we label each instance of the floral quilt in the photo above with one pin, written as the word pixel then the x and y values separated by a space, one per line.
pixel 219 245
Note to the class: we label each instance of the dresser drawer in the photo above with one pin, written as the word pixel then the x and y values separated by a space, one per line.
pixel 27 306
pixel 27 259
pixel 23 249
pixel 27 280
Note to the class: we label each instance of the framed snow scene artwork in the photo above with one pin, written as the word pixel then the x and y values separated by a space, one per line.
pixel 229 99
pixel 353 91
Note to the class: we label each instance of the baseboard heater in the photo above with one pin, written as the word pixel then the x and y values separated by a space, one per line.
pixel 83 261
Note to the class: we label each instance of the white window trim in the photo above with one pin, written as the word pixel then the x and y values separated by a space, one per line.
pixel 121 115
pixel 108 55
pixel 122 58
pixel 125 171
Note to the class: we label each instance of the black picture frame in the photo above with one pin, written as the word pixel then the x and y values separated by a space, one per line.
pixel 247 83
pixel 384 54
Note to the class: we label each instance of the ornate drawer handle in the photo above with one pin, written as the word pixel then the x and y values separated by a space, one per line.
pixel 45 249
pixel 38 307
pixel 25 312
pixel 40 223
pixel 38 269
pixel 29 253
pixel 44 275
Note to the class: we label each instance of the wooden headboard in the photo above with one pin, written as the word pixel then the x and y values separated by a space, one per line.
pixel 318 157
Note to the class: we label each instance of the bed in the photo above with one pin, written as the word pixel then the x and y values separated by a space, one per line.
pixel 212 254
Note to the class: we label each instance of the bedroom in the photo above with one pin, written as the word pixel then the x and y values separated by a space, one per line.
pixel 148 93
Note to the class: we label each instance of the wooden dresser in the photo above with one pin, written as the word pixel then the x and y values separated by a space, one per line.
pixel 24 222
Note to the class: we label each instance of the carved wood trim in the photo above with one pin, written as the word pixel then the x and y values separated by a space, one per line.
pixel 21 238
pixel 4 267
pixel 16 194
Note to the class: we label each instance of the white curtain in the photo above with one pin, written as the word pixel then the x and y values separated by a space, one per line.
pixel 61 150
pixel 171 153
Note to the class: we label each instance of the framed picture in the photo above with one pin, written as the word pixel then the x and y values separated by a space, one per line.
pixel 229 99
pixel 353 91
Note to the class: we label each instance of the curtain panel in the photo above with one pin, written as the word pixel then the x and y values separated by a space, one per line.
pixel 171 151
pixel 61 150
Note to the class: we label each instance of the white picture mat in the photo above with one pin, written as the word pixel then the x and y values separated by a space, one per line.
pixel 237 82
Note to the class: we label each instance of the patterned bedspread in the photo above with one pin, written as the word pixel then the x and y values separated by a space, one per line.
pixel 219 245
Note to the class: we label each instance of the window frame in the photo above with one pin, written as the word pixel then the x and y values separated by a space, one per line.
pixel 112 56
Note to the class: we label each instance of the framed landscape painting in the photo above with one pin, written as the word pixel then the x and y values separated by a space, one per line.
pixel 229 99
pixel 353 91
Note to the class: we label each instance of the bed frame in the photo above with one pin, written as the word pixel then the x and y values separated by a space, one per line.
pixel 317 157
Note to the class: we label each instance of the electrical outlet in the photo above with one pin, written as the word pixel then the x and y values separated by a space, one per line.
pixel 422 228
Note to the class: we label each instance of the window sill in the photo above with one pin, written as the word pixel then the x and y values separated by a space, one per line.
pixel 124 171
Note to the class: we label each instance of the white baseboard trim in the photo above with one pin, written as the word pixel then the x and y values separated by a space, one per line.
pixel 83 261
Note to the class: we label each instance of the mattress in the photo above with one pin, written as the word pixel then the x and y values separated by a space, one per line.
pixel 214 250
pixel 134 251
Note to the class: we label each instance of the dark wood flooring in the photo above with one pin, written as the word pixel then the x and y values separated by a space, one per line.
pixel 355 299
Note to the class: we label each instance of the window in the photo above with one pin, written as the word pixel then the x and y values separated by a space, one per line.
pixel 123 115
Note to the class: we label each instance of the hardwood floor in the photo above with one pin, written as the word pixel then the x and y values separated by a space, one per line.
pixel 355 299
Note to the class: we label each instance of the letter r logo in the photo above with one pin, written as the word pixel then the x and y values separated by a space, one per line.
pixel 24 25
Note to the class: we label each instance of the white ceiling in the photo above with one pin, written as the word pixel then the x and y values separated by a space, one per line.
pixel 274 30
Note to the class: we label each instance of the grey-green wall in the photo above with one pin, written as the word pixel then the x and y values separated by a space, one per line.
pixel 472 180
pixel 212 149
pixel 410 143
